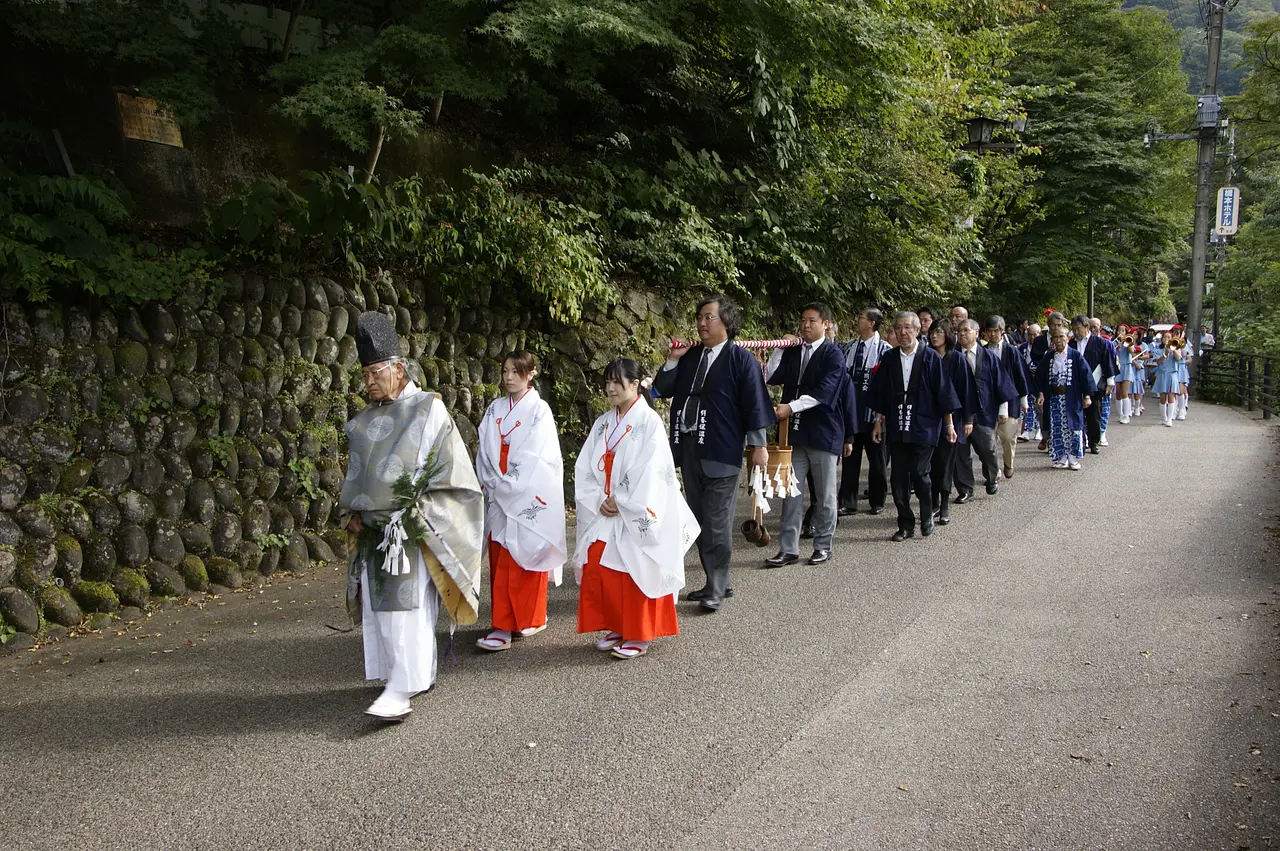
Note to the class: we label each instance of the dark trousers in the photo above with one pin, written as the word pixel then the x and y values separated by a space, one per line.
pixel 877 482
pixel 713 501
pixel 1093 421
pixel 983 441
pixel 911 472
pixel 942 467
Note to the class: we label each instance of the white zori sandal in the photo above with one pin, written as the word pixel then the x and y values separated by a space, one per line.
pixel 610 641
pixel 498 639
pixel 630 649
pixel 530 631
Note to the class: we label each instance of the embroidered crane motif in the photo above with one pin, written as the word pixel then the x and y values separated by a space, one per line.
pixel 625 484
pixel 535 508
pixel 513 470
pixel 644 524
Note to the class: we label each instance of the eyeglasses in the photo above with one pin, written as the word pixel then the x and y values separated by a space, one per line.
pixel 371 374
pixel 708 317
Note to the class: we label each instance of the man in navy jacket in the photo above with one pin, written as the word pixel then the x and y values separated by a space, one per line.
pixel 719 403
pixel 812 376
pixel 861 356
pixel 1097 355
pixel 993 392
pixel 913 402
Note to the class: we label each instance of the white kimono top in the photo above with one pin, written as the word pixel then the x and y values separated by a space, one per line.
pixel 524 506
pixel 654 528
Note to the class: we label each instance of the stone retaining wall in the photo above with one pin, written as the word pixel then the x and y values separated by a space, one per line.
pixel 153 453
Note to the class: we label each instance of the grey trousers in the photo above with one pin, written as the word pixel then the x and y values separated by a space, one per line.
pixel 822 466
pixel 714 501
pixel 983 441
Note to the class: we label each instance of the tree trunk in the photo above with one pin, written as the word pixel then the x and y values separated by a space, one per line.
pixel 295 12
pixel 436 105
pixel 375 153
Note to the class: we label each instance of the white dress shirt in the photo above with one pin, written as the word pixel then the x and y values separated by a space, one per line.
pixel 908 364
pixel 800 403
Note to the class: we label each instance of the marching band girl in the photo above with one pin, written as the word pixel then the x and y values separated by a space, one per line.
pixel 1168 376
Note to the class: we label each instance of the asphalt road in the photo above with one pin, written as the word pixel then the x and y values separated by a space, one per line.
pixel 1084 661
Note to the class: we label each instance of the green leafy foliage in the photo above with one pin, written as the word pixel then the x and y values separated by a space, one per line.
pixel 60 234
pixel 1104 206
pixel 488 230
pixel 1249 283
pixel 169 50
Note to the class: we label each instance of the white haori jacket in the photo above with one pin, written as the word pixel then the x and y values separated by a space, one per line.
pixel 654 527
pixel 524 508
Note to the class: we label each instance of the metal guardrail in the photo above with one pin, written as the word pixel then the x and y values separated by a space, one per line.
pixel 1247 380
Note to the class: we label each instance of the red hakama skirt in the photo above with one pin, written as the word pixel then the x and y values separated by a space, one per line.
pixel 518 596
pixel 611 600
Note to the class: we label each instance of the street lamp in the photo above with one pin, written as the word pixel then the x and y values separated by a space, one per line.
pixel 981 129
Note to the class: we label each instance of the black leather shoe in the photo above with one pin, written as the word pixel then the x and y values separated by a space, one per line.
pixel 993 488
pixel 782 559
pixel 926 529
pixel 820 557
pixel 943 519
pixel 806 532
pixel 876 511
pixel 703 593
pixel 963 498
pixel 711 604
pixel 845 512
pixel 902 535
pixel 1093 450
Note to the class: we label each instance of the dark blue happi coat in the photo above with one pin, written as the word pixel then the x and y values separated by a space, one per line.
pixel 734 402
pixel 861 372
pixel 1014 362
pixel 821 427
pixel 913 414
pixel 1078 381
pixel 957 370
pixel 993 387
pixel 849 409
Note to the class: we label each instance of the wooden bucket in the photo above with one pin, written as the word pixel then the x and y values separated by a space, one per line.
pixel 779 458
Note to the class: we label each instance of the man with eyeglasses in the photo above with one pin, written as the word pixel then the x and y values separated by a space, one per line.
pixel 812 376
pixel 413 505
pixel 719 405
pixel 913 402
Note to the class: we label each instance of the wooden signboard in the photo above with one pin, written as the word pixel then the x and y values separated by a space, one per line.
pixel 147 120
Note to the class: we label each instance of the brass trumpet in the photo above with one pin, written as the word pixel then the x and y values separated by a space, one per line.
pixel 1177 343
pixel 1127 341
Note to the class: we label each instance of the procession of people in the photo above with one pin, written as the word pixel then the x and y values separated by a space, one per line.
pixel 915 401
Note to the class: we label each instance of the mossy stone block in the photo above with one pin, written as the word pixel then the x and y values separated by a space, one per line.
pixel 97 596
pixel 193 573
pixel 59 606
pixel 131 588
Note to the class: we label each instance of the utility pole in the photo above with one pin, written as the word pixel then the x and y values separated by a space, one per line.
pixel 1207 122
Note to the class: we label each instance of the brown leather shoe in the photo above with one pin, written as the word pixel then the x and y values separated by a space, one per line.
pixel 1008 472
